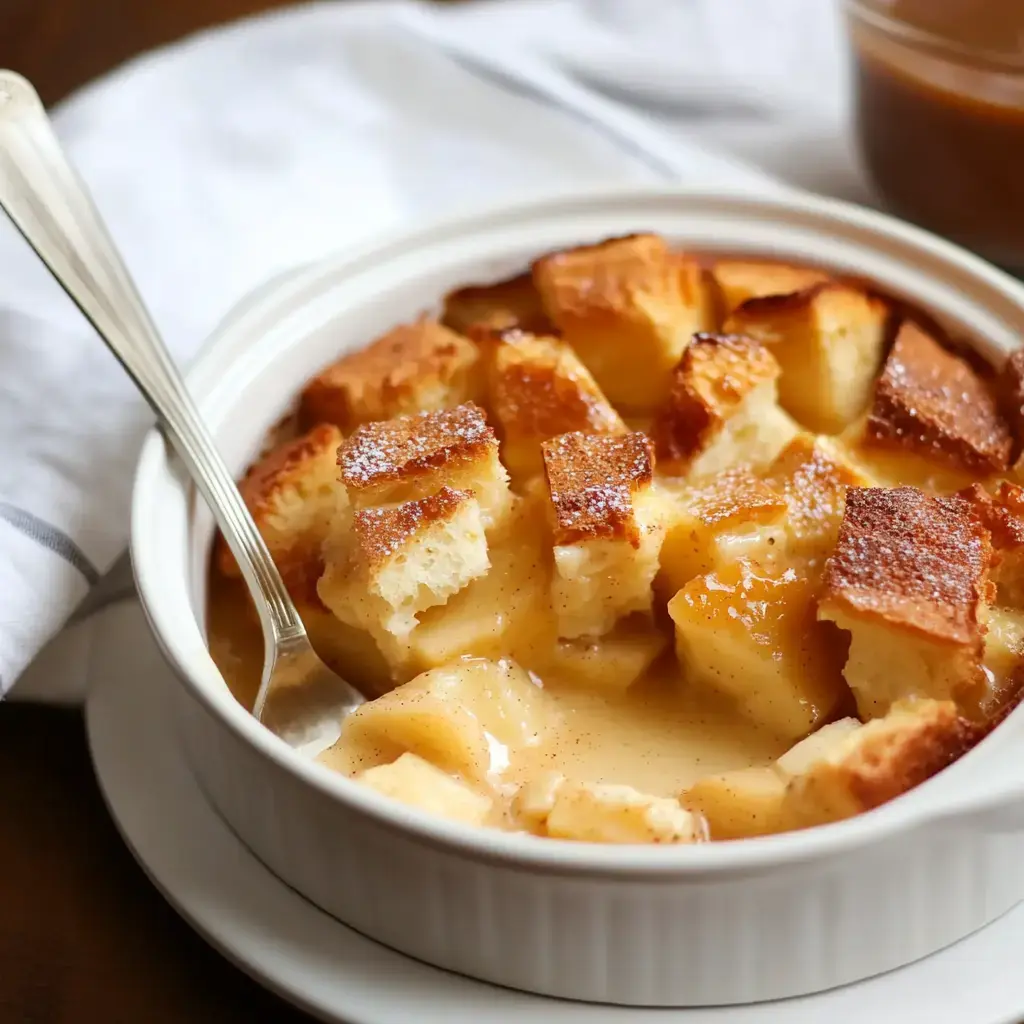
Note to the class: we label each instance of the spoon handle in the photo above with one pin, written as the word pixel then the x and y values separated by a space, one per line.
pixel 50 206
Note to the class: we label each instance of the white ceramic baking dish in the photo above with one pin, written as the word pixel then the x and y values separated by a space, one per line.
pixel 721 923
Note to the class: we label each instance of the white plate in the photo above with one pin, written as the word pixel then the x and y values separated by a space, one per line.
pixel 307 957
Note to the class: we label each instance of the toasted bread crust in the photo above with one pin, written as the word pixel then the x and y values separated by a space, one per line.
pixel 380 532
pixel 716 373
pixel 931 401
pixel 913 561
pixel 1013 394
pixel 592 479
pixel 743 280
pixel 609 281
pixel 408 446
pixel 1002 512
pixel 508 304
pixel 283 470
pixel 388 377
pixel 540 389
pixel 895 754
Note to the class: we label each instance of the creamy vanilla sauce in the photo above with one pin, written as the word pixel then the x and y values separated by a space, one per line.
pixel 658 736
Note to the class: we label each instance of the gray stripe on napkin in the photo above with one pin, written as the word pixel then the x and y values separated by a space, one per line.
pixel 51 538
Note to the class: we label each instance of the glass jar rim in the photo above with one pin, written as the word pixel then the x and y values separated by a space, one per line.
pixel 994 60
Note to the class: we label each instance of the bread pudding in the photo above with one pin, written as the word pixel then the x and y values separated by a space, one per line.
pixel 650 546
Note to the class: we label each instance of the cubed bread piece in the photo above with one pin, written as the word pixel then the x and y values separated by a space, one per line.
pixel 608 529
pixel 878 761
pixel 468 718
pixel 739 804
pixel 504 613
pixel 420 784
pixel 293 493
pixel 602 813
pixel 537 389
pixel 909 581
pixel 722 410
pixel 394 562
pixel 733 515
pixel 505 305
pixel 629 307
pixel 610 664
pixel 753 638
pixel 813 475
pixel 414 367
pixel 1002 512
pixel 415 456
pixel 932 403
pixel 742 280
pixel 829 340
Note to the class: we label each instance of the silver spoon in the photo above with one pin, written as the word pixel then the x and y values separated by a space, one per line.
pixel 300 698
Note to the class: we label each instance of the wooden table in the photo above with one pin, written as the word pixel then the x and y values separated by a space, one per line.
pixel 84 937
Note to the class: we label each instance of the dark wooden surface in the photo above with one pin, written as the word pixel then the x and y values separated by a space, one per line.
pixel 84 937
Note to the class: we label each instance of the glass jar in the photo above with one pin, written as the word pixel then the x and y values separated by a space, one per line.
pixel 939 100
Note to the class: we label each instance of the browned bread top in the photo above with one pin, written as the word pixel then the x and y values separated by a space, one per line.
pixel 913 561
pixel 593 479
pixel 932 402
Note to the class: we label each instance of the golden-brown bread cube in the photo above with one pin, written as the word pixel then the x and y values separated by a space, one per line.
pixel 813 475
pixel 909 580
pixel 293 493
pixel 468 718
pixel 414 456
pixel 507 612
pixel 742 280
pixel 420 784
pixel 932 403
pixel 414 367
pixel 878 761
pixel 607 529
pixel 1002 512
pixel 629 307
pixel 537 389
pixel 829 340
pixel 390 564
pixel 754 639
pixel 721 410
pixel 609 664
pixel 733 515
pixel 505 305
pixel 603 813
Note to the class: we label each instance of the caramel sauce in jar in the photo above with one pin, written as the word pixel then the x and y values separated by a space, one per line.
pixel 939 88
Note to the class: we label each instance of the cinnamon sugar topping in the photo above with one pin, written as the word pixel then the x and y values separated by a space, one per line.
pixel 593 479
pixel 396 449
pixel 912 560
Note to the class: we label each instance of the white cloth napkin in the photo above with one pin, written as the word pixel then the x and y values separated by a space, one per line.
pixel 223 160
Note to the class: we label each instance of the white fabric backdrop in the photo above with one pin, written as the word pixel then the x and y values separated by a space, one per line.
pixel 241 152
